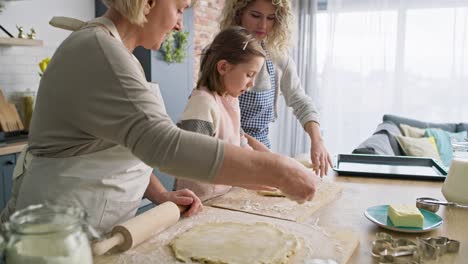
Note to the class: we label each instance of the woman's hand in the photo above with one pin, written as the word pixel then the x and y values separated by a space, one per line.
pixel 318 153
pixel 298 182
pixel 320 158
pixel 255 169
pixel 186 198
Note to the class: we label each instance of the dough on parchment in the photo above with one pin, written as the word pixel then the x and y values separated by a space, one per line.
pixel 275 193
pixel 235 243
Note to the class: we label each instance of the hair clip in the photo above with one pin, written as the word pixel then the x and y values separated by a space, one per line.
pixel 245 45
pixel 251 38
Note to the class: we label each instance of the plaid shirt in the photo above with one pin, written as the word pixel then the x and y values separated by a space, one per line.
pixel 257 108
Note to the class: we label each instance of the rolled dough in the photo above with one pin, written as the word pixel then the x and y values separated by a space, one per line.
pixel 275 193
pixel 226 242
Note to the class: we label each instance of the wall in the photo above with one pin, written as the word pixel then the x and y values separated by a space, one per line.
pixel 175 79
pixel 19 65
pixel 206 20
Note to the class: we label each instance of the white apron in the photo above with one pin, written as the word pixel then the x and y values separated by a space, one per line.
pixel 108 184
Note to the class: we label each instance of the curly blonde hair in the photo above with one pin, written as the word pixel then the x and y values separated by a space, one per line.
pixel 278 41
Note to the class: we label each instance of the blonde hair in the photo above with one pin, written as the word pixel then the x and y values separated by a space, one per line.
pixel 133 10
pixel 278 40
pixel 235 45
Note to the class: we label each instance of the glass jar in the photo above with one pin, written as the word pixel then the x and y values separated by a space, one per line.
pixel 460 150
pixel 27 99
pixel 454 188
pixel 41 234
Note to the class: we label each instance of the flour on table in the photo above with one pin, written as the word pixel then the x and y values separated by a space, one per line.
pixel 252 202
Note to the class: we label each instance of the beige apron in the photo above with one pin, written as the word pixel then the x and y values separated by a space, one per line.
pixel 108 184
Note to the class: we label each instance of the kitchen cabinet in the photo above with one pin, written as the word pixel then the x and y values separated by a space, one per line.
pixel 7 165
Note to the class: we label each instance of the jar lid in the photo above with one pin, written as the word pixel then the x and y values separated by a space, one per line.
pixel 460 145
pixel 46 219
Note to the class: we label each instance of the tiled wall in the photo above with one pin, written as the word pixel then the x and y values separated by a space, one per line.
pixel 19 64
pixel 19 68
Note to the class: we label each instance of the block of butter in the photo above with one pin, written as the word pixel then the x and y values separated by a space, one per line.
pixel 405 216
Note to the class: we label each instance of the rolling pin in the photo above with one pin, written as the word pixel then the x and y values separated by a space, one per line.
pixel 138 229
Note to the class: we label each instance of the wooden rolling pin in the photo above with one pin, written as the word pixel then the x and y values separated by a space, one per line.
pixel 140 228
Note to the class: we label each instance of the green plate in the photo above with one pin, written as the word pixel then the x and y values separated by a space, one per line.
pixel 378 215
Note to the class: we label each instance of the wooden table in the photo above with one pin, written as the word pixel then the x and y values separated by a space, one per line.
pixel 347 212
pixel 361 193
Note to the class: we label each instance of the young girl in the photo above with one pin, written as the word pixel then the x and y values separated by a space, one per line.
pixel 228 69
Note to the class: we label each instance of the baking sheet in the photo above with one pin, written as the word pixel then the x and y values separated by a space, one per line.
pixel 398 167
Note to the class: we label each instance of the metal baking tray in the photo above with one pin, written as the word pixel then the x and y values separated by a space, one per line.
pixel 396 167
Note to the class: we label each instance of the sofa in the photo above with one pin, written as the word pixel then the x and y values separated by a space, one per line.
pixel 385 140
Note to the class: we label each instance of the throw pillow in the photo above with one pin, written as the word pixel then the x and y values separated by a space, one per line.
pixel 462 127
pixel 377 144
pixel 419 147
pixel 421 124
pixel 391 130
pixel 444 142
pixel 409 131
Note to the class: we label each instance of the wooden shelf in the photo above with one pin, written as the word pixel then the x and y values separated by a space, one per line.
pixel 20 42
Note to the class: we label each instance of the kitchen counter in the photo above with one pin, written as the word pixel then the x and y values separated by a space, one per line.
pixel 346 212
pixel 12 148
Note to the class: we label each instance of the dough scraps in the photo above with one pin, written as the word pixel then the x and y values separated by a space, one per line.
pixel 235 243
pixel 274 193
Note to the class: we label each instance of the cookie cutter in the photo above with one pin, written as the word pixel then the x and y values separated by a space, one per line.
pixel 431 204
pixel 402 250
pixel 389 250
pixel 443 244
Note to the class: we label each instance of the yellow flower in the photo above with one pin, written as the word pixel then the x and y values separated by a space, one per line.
pixel 43 64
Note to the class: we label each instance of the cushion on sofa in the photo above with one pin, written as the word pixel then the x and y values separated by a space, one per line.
pixel 377 144
pixel 462 127
pixel 450 127
pixel 382 142
pixel 409 131
pixel 444 142
pixel 392 131
pixel 419 147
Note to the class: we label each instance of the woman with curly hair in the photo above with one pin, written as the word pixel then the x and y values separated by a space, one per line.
pixel 271 23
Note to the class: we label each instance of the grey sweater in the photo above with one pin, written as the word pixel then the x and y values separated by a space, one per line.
pixel 94 96
pixel 288 82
